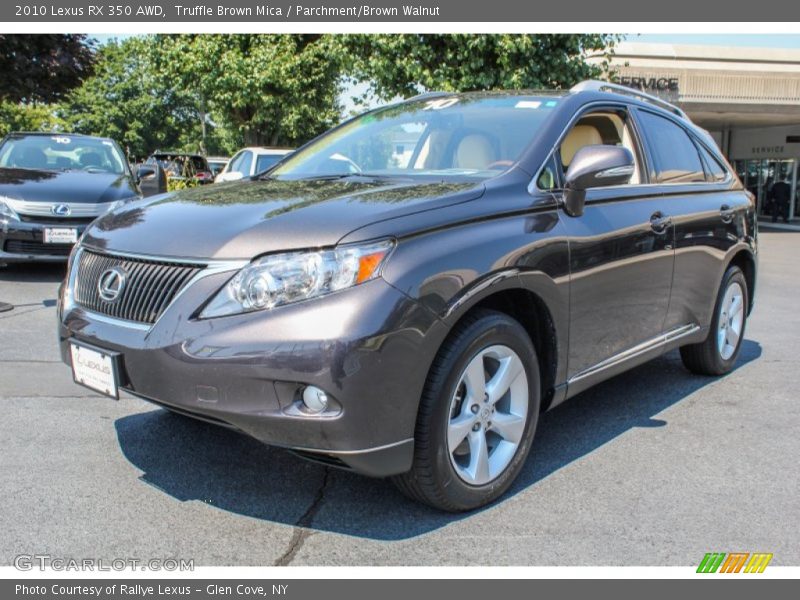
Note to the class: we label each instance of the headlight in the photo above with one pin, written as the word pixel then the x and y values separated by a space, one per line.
pixel 281 279
pixel 6 212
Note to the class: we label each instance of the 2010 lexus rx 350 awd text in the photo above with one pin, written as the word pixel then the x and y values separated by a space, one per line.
pixel 404 295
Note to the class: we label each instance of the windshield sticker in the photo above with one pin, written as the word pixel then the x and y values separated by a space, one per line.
pixel 61 139
pixel 528 104
pixel 550 104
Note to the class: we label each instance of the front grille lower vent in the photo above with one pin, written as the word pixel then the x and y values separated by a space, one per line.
pixel 149 285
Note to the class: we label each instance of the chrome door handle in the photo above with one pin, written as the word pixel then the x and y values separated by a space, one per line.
pixel 660 222
pixel 726 212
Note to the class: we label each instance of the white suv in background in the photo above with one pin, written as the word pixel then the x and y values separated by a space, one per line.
pixel 249 161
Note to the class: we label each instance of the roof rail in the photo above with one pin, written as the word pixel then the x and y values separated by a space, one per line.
pixel 593 85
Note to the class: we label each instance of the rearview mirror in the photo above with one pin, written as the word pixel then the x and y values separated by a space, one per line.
pixel 595 166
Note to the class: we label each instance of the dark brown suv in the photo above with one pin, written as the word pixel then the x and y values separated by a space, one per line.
pixel 406 294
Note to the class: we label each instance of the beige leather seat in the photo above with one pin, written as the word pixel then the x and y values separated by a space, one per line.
pixel 580 136
pixel 474 151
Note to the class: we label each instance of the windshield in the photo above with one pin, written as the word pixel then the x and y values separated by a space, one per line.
pixel 61 153
pixel 472 136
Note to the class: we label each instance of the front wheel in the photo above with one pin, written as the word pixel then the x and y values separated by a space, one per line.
pixel 477 415
pixel 718 353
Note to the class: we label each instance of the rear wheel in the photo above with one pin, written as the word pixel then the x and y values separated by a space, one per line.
pixel 718 353
pixel 477 415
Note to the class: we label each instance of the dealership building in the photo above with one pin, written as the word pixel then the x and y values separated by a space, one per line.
pixel 748 98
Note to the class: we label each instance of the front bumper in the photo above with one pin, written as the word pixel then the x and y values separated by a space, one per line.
pixel 369 347
pixel 23 241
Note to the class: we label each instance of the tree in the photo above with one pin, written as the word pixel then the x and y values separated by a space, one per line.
pixel 28 117
pixel 269 89
pixel 127 100
pixel 405 65
pixel 42 67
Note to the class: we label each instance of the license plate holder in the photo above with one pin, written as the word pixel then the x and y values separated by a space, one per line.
pixel 60 235
pixel 95 368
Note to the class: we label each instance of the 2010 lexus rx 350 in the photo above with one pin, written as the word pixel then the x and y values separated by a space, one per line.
pixel 404 295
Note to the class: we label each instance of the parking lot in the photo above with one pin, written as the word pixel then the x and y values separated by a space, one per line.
pixel 655 467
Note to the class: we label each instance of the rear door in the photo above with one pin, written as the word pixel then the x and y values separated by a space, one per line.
pixel 708 209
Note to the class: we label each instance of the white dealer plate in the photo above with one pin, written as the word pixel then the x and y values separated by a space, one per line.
pixel 60 235
pixel 95 369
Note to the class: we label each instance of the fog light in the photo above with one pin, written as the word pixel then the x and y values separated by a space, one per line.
pixel 314 399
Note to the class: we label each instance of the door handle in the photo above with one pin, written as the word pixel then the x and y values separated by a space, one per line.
pixel 660 222
pixel 726 212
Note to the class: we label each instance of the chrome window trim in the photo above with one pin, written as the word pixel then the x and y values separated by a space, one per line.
pixel 533 186
pixel 626 355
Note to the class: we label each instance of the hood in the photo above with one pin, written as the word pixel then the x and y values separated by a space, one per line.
pixel 246 219
pixel 64 186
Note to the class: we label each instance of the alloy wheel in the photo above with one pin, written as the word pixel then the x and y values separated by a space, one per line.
pixel 488 414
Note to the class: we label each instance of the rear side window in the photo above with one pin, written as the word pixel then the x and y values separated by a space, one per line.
pixel 714 170
pixel 674 154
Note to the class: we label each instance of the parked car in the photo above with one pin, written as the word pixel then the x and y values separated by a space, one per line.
pixel 52 186
pixel 493 255
pixel 249 161
pixel 217 164
pixel 182 166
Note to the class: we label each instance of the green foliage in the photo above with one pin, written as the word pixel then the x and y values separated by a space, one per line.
pixel 269 89
pixel 28 117
pixel 42 67
pixel 405 65
pixel 127 101
pixel 157 91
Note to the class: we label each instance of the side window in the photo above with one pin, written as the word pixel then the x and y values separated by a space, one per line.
pixel 605 127
pixel 714 170
pixel 674 154
pixel 548 179
pixel 233 166
pixel 244 164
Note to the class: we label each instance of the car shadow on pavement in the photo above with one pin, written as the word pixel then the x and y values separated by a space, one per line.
pixel 192 460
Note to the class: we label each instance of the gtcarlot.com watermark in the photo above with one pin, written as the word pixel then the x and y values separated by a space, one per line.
pixel 43 562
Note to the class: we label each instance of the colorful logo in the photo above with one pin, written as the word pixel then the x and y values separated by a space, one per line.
pixel 734 562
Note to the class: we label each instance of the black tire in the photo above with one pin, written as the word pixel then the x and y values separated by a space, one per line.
pixel 432 479
pixel 705 358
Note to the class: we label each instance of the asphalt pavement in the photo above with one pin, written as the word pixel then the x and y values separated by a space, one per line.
pixel 654 467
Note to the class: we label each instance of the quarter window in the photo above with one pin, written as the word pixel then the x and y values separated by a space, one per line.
pixel 674 154
pixel 714 170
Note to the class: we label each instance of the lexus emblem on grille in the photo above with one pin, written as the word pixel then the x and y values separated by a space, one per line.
pixel 111 283
pixel 60 210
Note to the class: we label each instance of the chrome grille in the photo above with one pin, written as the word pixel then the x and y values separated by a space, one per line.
pixel 150 285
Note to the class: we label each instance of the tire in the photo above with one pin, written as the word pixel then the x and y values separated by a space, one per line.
pixel 713 356
pixel 492 344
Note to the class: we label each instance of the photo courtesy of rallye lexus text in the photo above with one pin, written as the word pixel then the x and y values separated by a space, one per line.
pixel 404 295
pixel 52 186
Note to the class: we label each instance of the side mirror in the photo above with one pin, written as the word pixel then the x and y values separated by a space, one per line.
pixel 595 166
pixel 152 180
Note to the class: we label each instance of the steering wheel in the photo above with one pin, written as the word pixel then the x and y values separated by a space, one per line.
pixel 499 163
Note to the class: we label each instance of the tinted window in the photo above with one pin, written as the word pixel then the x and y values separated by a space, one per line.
pixel 675 155
pixel 715 171
pixel 265 161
